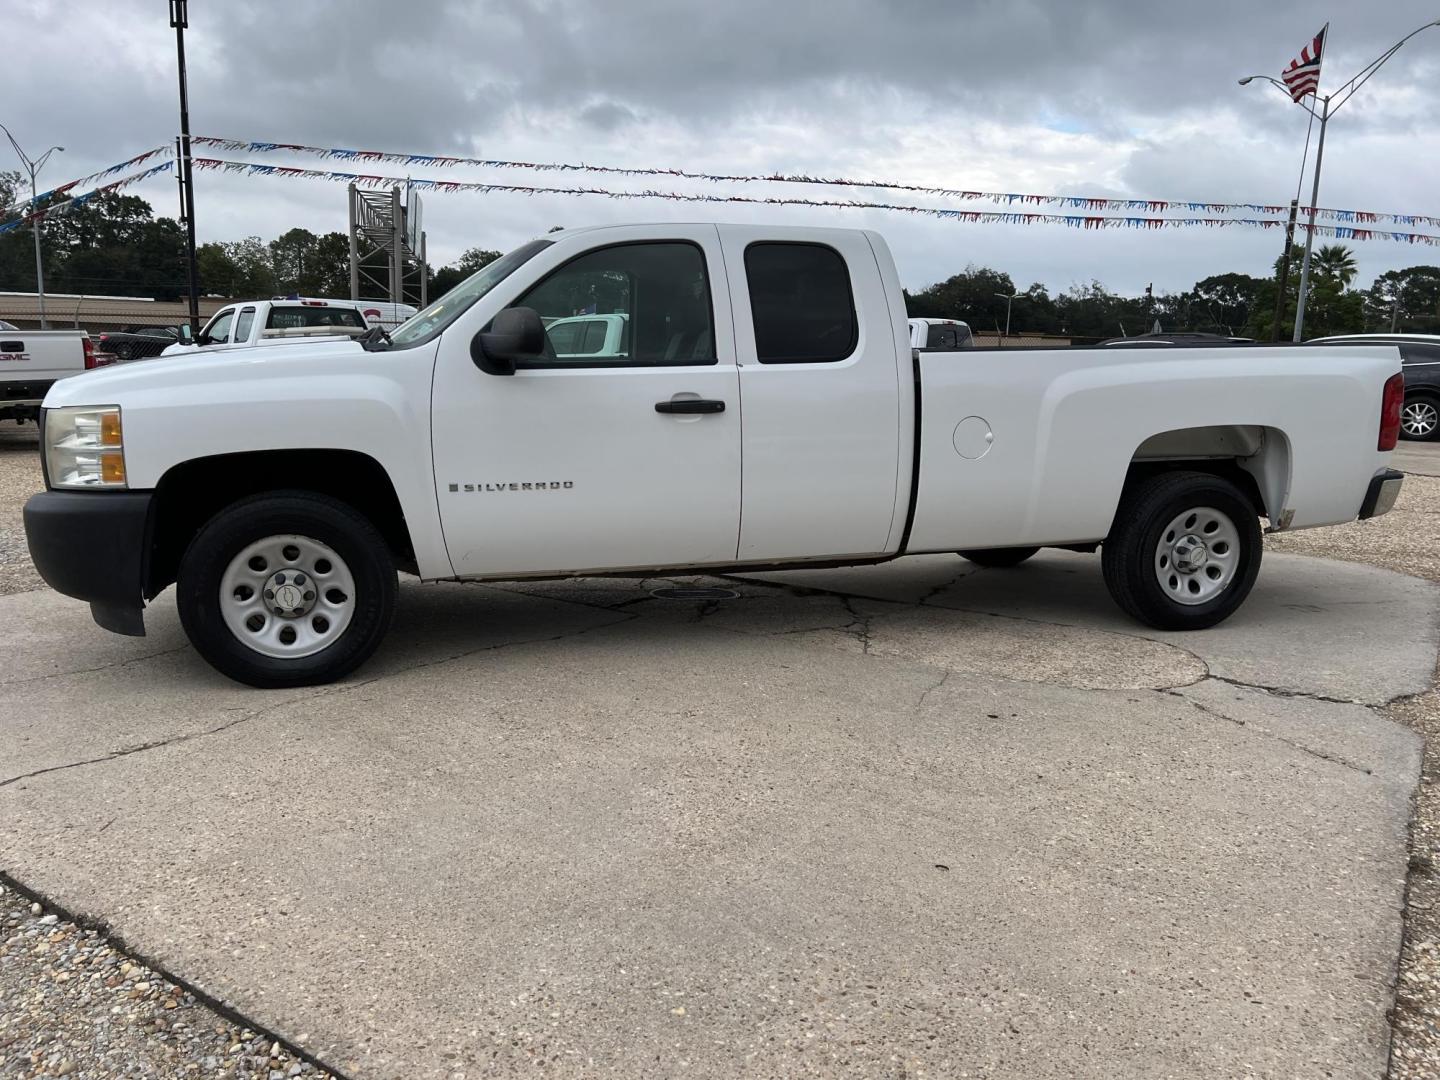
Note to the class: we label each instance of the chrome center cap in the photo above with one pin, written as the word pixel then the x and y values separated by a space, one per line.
pixel 290 593
pixel 1190 554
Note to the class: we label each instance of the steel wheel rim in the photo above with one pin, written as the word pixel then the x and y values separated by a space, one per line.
pixel 1419 418
pixel 287 596
pixel 1197 556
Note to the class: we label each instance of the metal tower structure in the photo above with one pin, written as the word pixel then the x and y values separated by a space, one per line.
pixel 387 247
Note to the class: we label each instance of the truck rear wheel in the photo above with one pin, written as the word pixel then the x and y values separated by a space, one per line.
pixel 998 557
pixel 1184 550
pixel 290 588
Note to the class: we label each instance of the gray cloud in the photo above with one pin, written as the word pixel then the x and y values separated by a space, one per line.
pixel 1118 97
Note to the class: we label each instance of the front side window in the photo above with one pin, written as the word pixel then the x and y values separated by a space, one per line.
pixel 801 303
pixel 244 323
pixel 659 291
pixel 218 332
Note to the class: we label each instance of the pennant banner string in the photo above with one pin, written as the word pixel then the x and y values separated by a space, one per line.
pixel 24 204
pixel 81 200
pixel 1075 221
pixel 1078 202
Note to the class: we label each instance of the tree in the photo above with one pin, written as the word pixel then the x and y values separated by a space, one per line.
pixel 969 296
pixel 1410 298
pixel 1226 300
pixel 9 188
pixel 447 277
pixel 1336 262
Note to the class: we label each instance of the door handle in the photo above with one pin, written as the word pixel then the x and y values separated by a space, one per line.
pixel 690 405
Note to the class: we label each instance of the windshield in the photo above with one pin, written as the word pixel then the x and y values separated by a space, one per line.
pixel 450 306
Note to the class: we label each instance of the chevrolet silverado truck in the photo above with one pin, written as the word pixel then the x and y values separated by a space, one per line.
pixel 32 360
pixel 272 322
pixel 767 410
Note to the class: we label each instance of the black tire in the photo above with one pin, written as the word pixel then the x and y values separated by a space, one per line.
pixel 334 524
pixel 1129 556
pixel 998 557
pixel 1415 411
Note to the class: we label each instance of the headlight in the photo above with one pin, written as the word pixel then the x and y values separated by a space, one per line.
pixel 84 447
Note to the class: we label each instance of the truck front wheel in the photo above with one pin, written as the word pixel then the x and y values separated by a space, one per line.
pixel 1184 550
pixel 286 589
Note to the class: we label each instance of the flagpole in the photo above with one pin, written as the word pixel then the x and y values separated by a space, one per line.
pixel 1314 203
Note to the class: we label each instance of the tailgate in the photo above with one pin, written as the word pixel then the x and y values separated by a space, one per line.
pixel 40 355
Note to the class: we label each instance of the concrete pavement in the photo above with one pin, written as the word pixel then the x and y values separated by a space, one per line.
pixel 916 819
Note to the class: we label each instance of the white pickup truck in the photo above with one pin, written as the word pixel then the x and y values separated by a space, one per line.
pixel 273 322
pixel 32 360
pixel 281 493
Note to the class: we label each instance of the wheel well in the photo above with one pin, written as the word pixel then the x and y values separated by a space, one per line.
pixel 194 491
pixel 1229 470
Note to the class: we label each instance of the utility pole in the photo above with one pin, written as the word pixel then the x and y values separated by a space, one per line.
pixel 1284 282
pixel 180 19
pixel 33 168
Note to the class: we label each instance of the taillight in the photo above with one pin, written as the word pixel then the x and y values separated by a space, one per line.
pixel 90 362
pixel 1390 403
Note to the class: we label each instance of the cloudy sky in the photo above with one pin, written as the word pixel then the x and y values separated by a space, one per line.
pixel 1136 98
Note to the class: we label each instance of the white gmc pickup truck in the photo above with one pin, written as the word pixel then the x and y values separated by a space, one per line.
pixel 767 410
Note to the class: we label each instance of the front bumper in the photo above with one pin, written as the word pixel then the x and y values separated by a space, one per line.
pixel 93 545
pixel 1381 495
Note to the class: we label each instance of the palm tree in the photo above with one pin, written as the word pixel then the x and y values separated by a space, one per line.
pixel 1336 262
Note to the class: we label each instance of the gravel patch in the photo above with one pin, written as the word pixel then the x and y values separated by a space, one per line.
pixel 1408 540
pixel 72 1005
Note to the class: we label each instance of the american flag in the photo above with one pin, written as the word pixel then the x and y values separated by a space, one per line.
pixel 1303 75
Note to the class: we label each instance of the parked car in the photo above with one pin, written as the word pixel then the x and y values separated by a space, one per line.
pixel 272 322
pixel 944 335
pixel 282 492
pixel 588 337
pixel 138 342
pixel 32 361
pixel 1420 357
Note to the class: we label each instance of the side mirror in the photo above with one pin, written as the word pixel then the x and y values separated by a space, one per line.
pixel 186 336
pixel 515 335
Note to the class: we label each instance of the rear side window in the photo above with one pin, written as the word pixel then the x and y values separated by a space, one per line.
pixel 244 323
pixel 948 337
pixel 290 318
pixel 801 303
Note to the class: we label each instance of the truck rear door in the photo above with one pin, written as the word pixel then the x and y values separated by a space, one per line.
pixel 825 446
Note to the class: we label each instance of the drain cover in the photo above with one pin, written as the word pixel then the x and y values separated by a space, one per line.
pixel 697 592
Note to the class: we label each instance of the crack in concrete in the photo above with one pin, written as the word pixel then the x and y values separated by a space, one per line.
pixel 859 625
pixel 332 691
pixel 1212 711
pixel 1286 692
pixel 98 667
pixel 1032 620
pixel 931 689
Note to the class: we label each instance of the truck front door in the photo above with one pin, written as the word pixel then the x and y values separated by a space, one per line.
pixel 624 461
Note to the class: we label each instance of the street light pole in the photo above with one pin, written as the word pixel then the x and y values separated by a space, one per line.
pixel 1310 229
pixel 1340 97
pixel 33 168
pixel 180 19
pixel 1007 298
